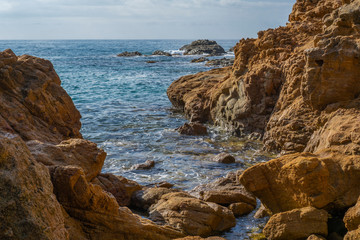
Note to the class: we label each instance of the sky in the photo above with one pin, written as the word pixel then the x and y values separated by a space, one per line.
pixel 140 19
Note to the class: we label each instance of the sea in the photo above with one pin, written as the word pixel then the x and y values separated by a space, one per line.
pixel 126 111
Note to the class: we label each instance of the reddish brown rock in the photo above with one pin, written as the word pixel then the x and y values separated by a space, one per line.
pixel 352 217
pixel 315 237
pixel 79 152
pixel 200 238
pixel 191 215
pixel 192 129
pixel 224 158
pixel 29 209
pixel 297 224
pixel 328 180
pixel 240 208
pixel 121 188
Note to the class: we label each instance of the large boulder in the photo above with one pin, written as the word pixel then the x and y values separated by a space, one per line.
pixel 352 217
pixel 328 180
pixel 297 224
pixel 203 47
pixel 191 215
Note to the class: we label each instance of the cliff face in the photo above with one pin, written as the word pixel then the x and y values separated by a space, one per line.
pixel 298 86
pixel 46 168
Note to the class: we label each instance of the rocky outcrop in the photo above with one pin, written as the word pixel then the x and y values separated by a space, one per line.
pixel 223 62
pixel 161 53
pixel 129 54
pixel 182 211
pixel 192 128
pixel 297 224
pixel 198 60
pixel 203 47
pixel 39 135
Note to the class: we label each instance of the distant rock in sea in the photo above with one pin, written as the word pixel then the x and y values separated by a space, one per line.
pixel 203 47
pixel 224 62
pixel 129 54
pixel 161 53
pixel 197 60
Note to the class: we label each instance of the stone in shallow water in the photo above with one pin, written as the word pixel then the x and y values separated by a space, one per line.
pixel 144 166
pixel 224 158
pixel 192 129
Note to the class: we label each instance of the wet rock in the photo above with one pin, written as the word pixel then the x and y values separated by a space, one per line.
pixel 163 184
pixel 191 215
pixel 224 62
pixel 143 199
pixel 297 224
pixel 192 129
pixel 161 53
pixel 240 209
pixel 151 61
pixel 321 181
pixel 121 188
pixel 262 212
pixel 224 158
pixel 203 47
pixel 129 54
pixel 144 166
pixel 74 151
pixel 198 60
pixel 231 49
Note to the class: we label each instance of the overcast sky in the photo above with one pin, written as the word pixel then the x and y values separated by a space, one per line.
pixel 140 19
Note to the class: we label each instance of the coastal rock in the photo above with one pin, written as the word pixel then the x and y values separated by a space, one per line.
pixel 223 62
pixel 203 47
pixel 143 199
pixel 144 166
pixel 262 212
pixel 353 235
pixel 192 128
pixel 161 53
pixel 33 104
pixel 328 181
pixel 79 152
pixel 29 209
pixel 224 158
pixel 198 60
pixel 315 237
pixel 297 224
pixel 98 212
pixel 129 54
pixel 200 238
pixel 151 61
pixel 240 209
pixel 191 215
pixel 121 188
pixel 352 217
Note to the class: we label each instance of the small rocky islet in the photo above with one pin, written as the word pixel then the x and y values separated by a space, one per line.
pixel 296 87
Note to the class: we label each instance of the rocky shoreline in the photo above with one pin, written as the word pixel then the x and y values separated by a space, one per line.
pixel 295 87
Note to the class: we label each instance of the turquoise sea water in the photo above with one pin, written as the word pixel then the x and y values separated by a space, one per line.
pixel 125 110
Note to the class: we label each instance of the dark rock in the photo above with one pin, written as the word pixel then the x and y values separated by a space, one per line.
pixel 232 49
pixel 129 54
pixel 198 60
pixel 224 158
pixel 161 53
pixel 225 62
pixel 203 47
pixel 192 129
pixel 151 61
pixel 144 166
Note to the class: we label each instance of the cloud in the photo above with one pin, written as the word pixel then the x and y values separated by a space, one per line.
pixel 5 6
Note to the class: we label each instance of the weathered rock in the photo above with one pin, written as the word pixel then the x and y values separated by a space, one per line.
pixel 224 158
pixel 99 212
pixel 297 224
pixel 192 128
pixel 262 212
pixel 121 188
pixel 143 199
pixel 200 238
pixel 353 235
pixel 29 209
pixel 144 166
pixel 315 237
pixel 198 60
pixel 352 217
pixel 161 53
pixel 191 215
pixel 240 208
pixel 223 62
pixel 33 104
pixel 224 191
pixel 129 54
pixel 203 47
pixel 328 180
pixel 74 151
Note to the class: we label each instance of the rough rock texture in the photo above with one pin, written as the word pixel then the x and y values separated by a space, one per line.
pixel 352 217
pixel 224 158
pixel 327 180
pixel 224 62
pixel 129 54
pixel 315 237
pixel 203 47
pixel 144 166
pixel 121 188
pixel 200 238
pixel 192 128
pixel 29 209
pixel 161 53
pixel 297 224
pixel 191 215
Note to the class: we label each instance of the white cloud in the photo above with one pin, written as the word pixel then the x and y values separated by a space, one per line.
pixel 5 6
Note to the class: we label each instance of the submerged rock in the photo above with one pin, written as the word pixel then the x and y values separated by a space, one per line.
pixel 198 60
pixel 192 129
pixel 203 47
pixel 224 158
pixel 144 166
pixel 129 54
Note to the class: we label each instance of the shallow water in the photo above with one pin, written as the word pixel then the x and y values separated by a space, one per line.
pixel 125 110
